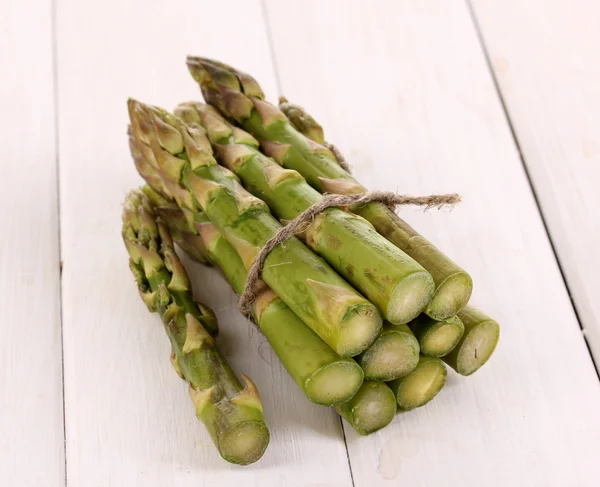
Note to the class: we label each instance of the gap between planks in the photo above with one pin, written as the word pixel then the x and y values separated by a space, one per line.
pixel 54 50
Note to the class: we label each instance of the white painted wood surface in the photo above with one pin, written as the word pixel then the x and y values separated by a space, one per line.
pixel 403 88
pixel 129 418
pixel 545 57
pixel 31 421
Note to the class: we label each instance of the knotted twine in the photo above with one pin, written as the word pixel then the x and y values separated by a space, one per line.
pixel 305 219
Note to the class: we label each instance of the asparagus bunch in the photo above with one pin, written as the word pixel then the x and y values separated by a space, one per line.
pixel 233 415
pixel 325 377
pixel 214 185
pixel 239 97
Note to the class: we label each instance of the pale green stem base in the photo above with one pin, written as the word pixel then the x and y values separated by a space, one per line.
pixel 437 338
pixel 421 385
pixel 372 408
pixel 393 355
pixel 477 344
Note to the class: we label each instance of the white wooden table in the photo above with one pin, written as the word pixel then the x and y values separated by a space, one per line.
pixel 497 100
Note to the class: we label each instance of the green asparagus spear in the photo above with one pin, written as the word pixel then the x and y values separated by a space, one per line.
pixel 239 97
pixel 324 376
pixel 421 385
pixel 477 343
pixel 319 296
pixel 437 338
pixel 233 415
pixel 389 278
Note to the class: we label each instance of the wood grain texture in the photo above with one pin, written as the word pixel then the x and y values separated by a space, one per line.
pixel 545 58
pixel 404 91
pixel 31 421
pixel 130 419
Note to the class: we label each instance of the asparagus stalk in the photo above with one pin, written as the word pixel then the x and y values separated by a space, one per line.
pixel 393 355
pixel 477 343
pixel 233 415
pixel 389 278
pixel 239 97
pixel 314 291
pixel 437 338
pixel 372 408
pixel 324 376
pixel 421 385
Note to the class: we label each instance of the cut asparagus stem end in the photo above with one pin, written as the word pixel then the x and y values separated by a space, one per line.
pixel 372 408
pixel 359 329
pixel 441 337
pixel 244 443
pixel 475 349
pixel 409 297
pixel 450 297
pixel 394 354
pixel 335 383
pixel 421 385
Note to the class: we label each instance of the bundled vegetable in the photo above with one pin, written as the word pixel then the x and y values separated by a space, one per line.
pixel 361 310
pixel 232 415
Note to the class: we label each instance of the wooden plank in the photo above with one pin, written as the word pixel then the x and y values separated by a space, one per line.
pixel 402 87
pixel 31 420
pixel 130 420
pixel 545 58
